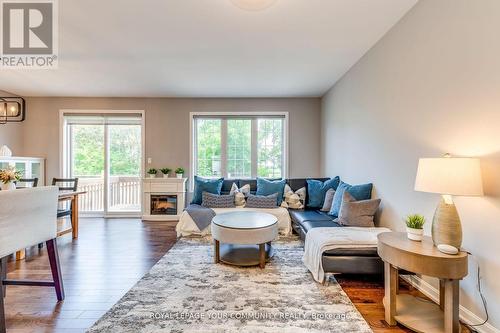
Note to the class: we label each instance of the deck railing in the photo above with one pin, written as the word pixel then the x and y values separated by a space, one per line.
pixel 124 192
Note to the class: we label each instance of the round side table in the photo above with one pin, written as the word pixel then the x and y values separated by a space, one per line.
pixel 398 252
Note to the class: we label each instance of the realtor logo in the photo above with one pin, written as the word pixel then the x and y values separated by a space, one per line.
pixel 29 34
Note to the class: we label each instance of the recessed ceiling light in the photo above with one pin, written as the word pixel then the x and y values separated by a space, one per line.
pixel 253 5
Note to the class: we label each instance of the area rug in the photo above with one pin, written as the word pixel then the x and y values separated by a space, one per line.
pixel 186 292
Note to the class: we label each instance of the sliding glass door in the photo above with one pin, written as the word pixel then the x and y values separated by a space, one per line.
pixel 104 151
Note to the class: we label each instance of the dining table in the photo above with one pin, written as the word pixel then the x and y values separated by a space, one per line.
pixel 64 196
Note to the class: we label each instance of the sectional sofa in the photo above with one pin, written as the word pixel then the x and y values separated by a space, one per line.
pixel 348 260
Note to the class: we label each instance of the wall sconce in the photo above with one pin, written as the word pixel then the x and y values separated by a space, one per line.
pixel 12 110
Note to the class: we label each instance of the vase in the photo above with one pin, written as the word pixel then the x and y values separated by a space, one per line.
pixel 415 234
pixel 179 175
pixel 152 175
pixel 165 175
pixel 8 186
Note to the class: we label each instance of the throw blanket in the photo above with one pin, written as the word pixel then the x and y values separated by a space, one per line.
pixel 319 240
pixel 201 216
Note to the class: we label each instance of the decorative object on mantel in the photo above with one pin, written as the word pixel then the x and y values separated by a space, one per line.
pixel 152 173
pixel 12 110
pixel 448 176
pixel 163 198
pixel 415 227
pixel 179 172
pixel 8 177
pixel 5 151
pixel 165 172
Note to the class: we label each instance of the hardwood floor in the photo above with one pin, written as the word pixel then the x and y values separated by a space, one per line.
pixel 98 268
pixel 107 259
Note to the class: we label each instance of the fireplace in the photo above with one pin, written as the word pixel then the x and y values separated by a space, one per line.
pixel 164 198
pixel 163 204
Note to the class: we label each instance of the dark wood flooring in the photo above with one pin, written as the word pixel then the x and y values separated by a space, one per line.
pixel 107 259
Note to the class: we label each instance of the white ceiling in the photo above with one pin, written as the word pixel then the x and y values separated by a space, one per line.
pixel 206 48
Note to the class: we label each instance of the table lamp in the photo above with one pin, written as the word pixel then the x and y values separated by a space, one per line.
pixel 448 176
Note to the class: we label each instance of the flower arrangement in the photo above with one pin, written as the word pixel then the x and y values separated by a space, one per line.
pixel 9 175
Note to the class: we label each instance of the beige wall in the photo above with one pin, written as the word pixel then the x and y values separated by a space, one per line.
pixel 167 126
pixel 430 86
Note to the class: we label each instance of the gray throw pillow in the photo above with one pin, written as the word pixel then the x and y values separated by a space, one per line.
pixel 211 200
pixel 327 205
pixel 262 201
pixel 357 213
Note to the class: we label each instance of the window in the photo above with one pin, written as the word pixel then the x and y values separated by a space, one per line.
pixel 239 146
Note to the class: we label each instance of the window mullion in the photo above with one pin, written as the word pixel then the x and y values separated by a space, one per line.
pixel 254 153
pixel 223 150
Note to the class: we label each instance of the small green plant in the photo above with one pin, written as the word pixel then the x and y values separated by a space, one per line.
pixel 152 171
pixel 165 171
pixel 415 221
pixel 179 171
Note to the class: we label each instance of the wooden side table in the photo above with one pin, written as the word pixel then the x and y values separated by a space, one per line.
pixel 398 252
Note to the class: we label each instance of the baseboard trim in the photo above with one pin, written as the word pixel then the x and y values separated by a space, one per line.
pixel 466 315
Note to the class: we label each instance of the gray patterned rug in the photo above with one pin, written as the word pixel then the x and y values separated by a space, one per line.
pixel 186 292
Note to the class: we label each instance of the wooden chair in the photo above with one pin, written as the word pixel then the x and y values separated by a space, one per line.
pixel 28 218
pixel 28 182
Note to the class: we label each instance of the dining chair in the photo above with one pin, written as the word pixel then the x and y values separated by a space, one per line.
pixel 23 225
pixel 27 182
pixel 65 184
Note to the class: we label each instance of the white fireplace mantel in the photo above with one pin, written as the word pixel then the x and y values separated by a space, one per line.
pixel 163 187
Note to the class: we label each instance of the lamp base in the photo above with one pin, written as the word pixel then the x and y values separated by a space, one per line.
pixel 446 226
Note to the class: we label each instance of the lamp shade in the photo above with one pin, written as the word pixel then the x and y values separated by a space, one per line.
pixel 449 175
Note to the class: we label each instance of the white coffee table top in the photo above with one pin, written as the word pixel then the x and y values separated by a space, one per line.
pixel 245 220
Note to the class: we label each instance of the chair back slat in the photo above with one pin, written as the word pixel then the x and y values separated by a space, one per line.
pixel 27 217
pixel 66 184
pixel 27 182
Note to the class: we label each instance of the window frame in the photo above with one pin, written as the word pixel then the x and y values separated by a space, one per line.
pixel 242 115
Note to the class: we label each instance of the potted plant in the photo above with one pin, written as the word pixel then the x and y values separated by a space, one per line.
pixel 165 172
pixel 179 172
pixel 152 172
pixel 415 227
pixel 8 177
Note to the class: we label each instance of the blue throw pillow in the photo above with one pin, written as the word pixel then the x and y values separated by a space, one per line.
pixel 205 185
pixel 359 192
pixel 316 191
pixel 267 187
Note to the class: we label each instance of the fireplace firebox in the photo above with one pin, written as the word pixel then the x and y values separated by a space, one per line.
pixel 163 204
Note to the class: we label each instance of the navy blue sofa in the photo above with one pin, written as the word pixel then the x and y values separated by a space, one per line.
pixel 349 261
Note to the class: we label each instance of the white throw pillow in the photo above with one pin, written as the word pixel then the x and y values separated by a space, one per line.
pixel 240 194
pixel 294 200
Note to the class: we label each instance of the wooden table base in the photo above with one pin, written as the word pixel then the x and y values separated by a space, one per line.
pixel 243 255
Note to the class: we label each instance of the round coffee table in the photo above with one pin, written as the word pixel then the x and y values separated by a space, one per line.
pixel 244 238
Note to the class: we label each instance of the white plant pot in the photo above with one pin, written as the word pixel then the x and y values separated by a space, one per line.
pixel 9 186
pixel 165 176
pixel 179 175
pixel 152 175
pixel 415 234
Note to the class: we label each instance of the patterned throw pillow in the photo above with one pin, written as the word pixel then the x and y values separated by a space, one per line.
pixel 327 205
pixel 294 200
pixel 357 213
pixel 211 200
pixel 262 201
pixel 240 194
